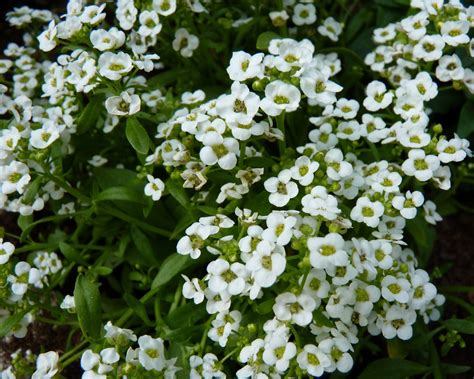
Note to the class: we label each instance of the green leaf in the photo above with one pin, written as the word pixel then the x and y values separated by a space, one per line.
pixel 121 194
pixel 137 135
pixel 450 369
pixel 137 307
pixel 8 323
pixel 321 319
pixel 265 307
pixel 423 234
pixel 185 315
pixel 144 246
pixel 264 39
pixel 24 221
pixel 175 188
pixel 70 253
pixel 171 266
pixel 32 190
pixel 88 306
pixel 90 114
pixel 462 326
pixel 392 369
pixel 115 177
pixel 466 120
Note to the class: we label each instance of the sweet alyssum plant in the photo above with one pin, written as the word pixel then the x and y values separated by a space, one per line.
pixel 253 227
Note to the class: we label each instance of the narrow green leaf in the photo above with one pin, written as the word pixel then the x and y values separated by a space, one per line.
pixel 462 326
pixel 144 246
pixel 8 323
pixel 70 253
pixel 171 266
pixel 392 369
pixel 24 221
pixel 121 194
pixel 32 190
pixel 450 369
pixel 90 114
pixel 264 39
pixel 175 188
pixel 466 119
pixel 137 135
pixel 88 306
pixel 138 307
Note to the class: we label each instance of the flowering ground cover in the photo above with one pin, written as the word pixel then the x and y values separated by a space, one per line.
pixel 207 189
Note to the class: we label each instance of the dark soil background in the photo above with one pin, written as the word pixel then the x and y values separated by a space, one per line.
pixel 454 247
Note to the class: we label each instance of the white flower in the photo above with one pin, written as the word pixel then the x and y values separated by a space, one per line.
pixel 46 365
pixel 431 216
pixel 231 191
pixel 420 165
pixel 14 177
pixel 164 7
pixel 225 276
pixel 377 96
pixel 337 168
pixel 336 349
pixel 279 228
pixel 278 353
pixel 303 170
pixel 103 40
pixel 397 323
pixel 449 68
pixel 429 48
pixel 154 188
pixel 313 360
pixel 68 303
pixel 319 203
pixel 6 250
pixel 422 86
pixel 297 309
pixel 331 29
pixel 240 106
pixel 395 289
pixel 114 65
pixel 347 109
pixel 278 18
pixel 455 33
pixel 281 188
pixel 193 241
pixel 47 39
pixel 423 291
pixel 407 204
pixel 266 264
pixel 123 105
pixel 151 354
pixel 193 97
pixel 43 137
pixel 304 14
pixel 320 90
pixel 368 212
pixel 323 137
pixel 118 335
pixel 185 43
pixel 24 275
pixel 192 290
pixel 327 251
pixel 316 284
pixel 243 66
pixel 280 97
pixel 149 24
pixel 452 150
pixel 220 150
